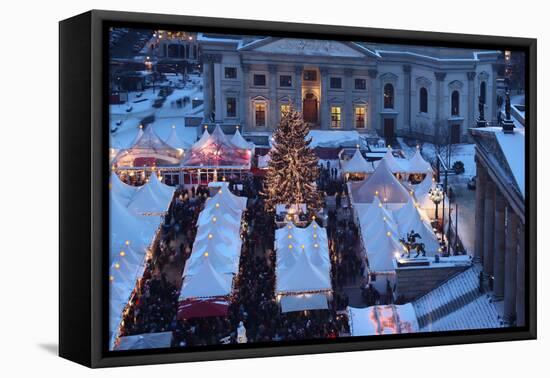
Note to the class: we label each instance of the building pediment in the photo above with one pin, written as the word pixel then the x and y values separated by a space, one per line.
pixel 309 47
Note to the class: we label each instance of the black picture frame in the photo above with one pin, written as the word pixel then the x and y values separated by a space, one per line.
pixel 84 207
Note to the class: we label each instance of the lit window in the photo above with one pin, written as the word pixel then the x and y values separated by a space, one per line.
pixel 259 111
pixel 231 107
pixel 285 109
pixel 285 81
pixel 335 116
pixel 360 112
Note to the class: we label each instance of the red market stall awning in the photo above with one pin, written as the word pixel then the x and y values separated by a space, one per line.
pixel 201 308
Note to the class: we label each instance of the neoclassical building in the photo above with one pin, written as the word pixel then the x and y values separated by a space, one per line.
pixel 500 217
pixel 393 90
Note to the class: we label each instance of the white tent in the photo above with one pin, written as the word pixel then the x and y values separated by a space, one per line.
pixel 152 198
pixel 382 320
pixel 417 164
pixel 175 141
pixel 302 277
pixel 409 218
pixel 358 164
pixel 122 191
pixel 302 302
pixel 393 164
pixel 206 282
pixel 145 341
pixel 381 183
pixel 238 140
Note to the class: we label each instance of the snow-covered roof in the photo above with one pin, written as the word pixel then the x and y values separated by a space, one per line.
pixel 382 320
pixel 513 147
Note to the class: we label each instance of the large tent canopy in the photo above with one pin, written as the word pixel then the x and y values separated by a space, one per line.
pixel 302 267
pixel 216 150
pixel 381 183
pixel 238 141
pixel 417 164
pixel 123 192
pixel 176 142
pixel 214 261
pixel 382 320
pixel 411 218
pixel 152 198
pixel 148 150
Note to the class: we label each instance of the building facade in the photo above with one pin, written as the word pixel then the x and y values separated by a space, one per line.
pixel 500 217
pixel 391 90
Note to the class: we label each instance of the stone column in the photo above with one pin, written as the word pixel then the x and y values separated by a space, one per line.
pixel 245 98
pixel 489 228
pixel 325 116
pixel 207 71
pixel 439 77
pixel 494 93
pixel 373 97
pixel 298 71
pixel 510 267
pixel 218 106
pixel 348 99
pixel 472 101
pixel 481 184
pixel 407 99
pixel 520 279
pixel 273 103
pixel 499 245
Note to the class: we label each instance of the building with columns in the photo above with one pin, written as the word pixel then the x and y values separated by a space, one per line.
pixel 500 217
pixel 390 90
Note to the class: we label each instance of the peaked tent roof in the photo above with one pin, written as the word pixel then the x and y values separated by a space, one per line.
pixel 417 164
pixel 175 141
pixel 206 283
pixel 122 191
pixel 408 219
pixel 358 164
pixel 152 198
pixel 149 146
pixel 217 151
pixel 383 182
pixel 393 165
pixel 239 142
pixel 303 276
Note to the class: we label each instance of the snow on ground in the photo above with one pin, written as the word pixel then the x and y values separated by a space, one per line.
pixel 169 114
pixel 335 138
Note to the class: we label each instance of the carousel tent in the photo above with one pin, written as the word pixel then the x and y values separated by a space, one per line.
pixel 152 198
pixel 176 142
pixel 216 150
pixel 145 341
pixel 382 320
pixel 382 183
pixel 409 218
pixel 123 192
pixel 358 164
pixel 238 141
pixel 148 150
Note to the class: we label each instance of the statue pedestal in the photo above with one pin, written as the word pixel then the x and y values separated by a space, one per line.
pixel 508 126
pixel 481 123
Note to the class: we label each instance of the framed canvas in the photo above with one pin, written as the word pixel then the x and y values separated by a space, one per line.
pixel 235 188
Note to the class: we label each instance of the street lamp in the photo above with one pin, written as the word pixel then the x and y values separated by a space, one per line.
pixel 436 194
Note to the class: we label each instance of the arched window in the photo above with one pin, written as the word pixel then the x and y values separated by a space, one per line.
pixel 423 100
pixel 455 103
pixel 483 92
pixel 388 96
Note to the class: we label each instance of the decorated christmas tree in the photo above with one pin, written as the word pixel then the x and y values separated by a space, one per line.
pixel 293 169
